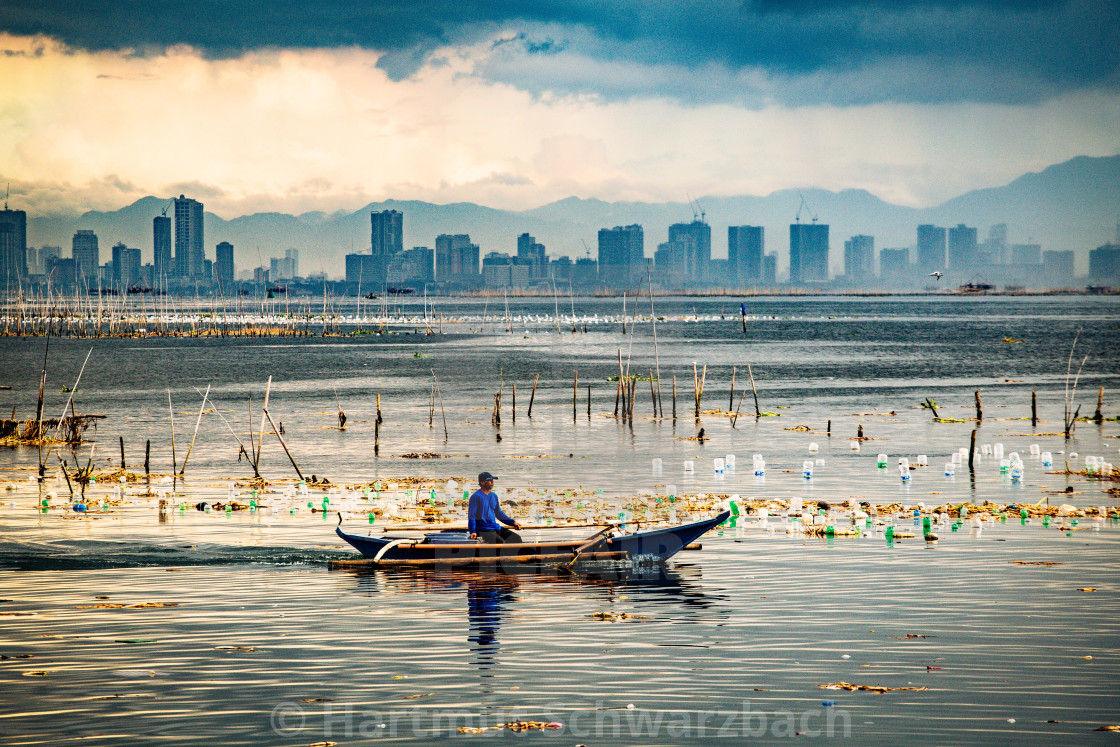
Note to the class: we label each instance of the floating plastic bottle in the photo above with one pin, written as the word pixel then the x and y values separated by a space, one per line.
pixel 955 458
pixel 904 469
pixel 997 451
pixel 923 460
pixel 963 513
pixel 729 461
pixel 717 466
pixel 855 446
pixel 807 469
pixel 759 468
pixel 950 469
pixel 1034 450
pixel 657 465
pixel 881 461
pixel 689 466
pixel 813 447
pixel 1047 459
pixel 1004 466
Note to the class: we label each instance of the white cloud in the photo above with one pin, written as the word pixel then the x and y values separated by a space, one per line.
pixel 298 130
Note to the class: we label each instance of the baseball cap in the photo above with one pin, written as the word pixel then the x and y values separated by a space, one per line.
pixel 485 476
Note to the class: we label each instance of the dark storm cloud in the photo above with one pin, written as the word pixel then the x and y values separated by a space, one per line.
pixel 915 50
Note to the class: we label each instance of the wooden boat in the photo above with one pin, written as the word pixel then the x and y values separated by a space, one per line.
pixel 455 548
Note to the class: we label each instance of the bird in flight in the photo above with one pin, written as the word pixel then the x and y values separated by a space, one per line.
pixel 936 275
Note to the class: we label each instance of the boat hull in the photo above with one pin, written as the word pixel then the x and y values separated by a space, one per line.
pixel 661 544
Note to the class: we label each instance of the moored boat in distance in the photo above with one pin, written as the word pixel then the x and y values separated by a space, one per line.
pixel 454 547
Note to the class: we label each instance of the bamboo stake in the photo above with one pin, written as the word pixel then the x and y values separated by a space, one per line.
pixel 260 440
pixel 248 452
pixel 513 399
pixel 740 406
pixel 588 403
pixel 617 396
pixel 622 382
pixel 1034 409
pixel 674 397
pixel 174 464
pixel 123 465
pixel 533 394
pixel 979 409
pixel 147 456
pixel 201 410
pixel 286 451
pixel 731 401
pixel 1097 417
pixel 441 410
pixel 652 393
pixel 656 360
pixel 575 393
pixel 757 412
pixel 377 427
pixel 972 451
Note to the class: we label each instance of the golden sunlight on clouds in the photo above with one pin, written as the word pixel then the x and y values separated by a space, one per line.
pixel 297 130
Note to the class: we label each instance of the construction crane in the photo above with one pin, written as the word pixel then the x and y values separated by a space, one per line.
pixel 586 249
pixel 808 209
pixel 698 214
pixel 166 208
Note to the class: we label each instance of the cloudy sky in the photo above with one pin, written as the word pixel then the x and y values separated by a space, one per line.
pixel 293 106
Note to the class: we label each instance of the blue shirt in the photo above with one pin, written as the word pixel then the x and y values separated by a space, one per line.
pixel 481 512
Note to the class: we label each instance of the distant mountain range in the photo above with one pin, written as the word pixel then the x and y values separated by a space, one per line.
pixel 1072 205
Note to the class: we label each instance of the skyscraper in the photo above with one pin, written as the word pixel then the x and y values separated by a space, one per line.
pixel 13 246
pixel 161 246
pixel 931 248
pixel 621 254
pixel 87 256
pixel 386 232
pixel 224 271
pixel 963 248
pixel 697 236
pixel 808 253
pixel 126 266
pixel 859 258
pixel 189 255
pixel 894 265
pixel 745 247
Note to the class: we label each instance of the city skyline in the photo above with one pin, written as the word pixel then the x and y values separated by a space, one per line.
pixel 312 107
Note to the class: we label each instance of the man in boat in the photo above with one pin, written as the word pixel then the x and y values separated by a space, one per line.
pixel 483 513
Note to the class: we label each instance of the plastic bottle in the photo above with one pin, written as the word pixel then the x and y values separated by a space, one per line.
pixel 807 469
pixel 813 447
pixel 881 461
pixel 1047 459
pixel 950 469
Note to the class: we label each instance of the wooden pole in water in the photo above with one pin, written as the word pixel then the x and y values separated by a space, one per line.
pixel 828 429
pixel 652 393
pixel 575 394
pixel 174 469
pixel 617 395
pixel 731 400
pixel 286 451
pixel 979 409
pixel 1097 416
pixel 260 440
pixel 147 455
pixel 377 427
pixel 674 397
pixel 532 395
pixel 439 394
pixel 123 465
pixel 972 451
pixel 1034 409
pixel 588 403
pixel 696 390
pixel 196 424
pixel 513 402
pixel 757 412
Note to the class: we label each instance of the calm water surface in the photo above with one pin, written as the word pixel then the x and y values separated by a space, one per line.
pixel 266 646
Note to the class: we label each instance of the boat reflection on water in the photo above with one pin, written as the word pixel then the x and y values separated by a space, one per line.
pixel 492 595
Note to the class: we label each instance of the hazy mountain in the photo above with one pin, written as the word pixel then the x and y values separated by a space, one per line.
pixel 1073 205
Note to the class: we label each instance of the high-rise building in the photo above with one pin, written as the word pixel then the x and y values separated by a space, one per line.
pixel 531 254
pixel 697 238
pixel 673 262
pixel 1057 266
pixel 931 248
pixel 859 258
pixel 224 268
pixel 745 247
pixel 457 259
pixel 1026 254
pixel 190 259
pixel 963 248
pixel 161 246
pixel 1104 264
pixel 770 268
pixel 13 247
pixel 87 256
pixel 808 253
pixel 621 254
pixel 386 232
pixel 126 266
pixel 46 253
pixel 894 265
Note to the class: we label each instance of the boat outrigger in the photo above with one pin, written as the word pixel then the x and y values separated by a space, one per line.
pixel 454 547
